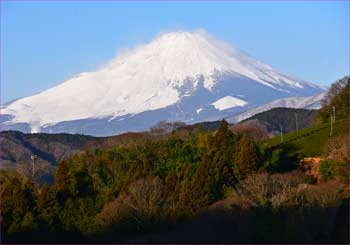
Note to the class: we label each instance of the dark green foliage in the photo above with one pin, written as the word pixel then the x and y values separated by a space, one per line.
pixel 199 191
pixel 112 195
pixel 49 149
pixel 48 207
pixel 18 202
pixel 273 161
pixel 330 169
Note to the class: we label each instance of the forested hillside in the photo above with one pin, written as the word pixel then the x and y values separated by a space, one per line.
pixel 185 186
pixel 17 148
pixel 134 192
pixel 285 119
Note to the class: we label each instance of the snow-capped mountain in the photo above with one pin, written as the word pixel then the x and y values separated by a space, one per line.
pixel 187 76
pixel 309 102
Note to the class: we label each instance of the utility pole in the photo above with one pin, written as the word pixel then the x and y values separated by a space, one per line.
pixel 281 134
pixel 331 133
pixel 333 114
pixel 33 164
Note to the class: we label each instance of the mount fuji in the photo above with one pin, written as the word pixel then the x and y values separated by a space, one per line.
pixel 179 76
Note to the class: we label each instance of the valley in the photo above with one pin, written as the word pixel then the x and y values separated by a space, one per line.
pixel 174 122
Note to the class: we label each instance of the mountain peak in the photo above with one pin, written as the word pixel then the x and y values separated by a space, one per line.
pixel 183 35
pixel 151 77
pixel 177 35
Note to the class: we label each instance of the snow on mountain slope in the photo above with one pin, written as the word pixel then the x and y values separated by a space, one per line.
pixel 311 102
pixel 168 76
pixel 228 102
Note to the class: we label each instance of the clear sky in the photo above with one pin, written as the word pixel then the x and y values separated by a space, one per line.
pixel 45 43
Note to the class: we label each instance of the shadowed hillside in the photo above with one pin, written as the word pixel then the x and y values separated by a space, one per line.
pixel 288 119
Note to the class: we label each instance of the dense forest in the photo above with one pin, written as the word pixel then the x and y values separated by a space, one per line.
pixel 222 186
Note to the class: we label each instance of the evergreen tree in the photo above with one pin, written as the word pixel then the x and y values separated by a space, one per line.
pixel 245 158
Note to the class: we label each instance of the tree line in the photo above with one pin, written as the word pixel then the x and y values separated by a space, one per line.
pixel 131 190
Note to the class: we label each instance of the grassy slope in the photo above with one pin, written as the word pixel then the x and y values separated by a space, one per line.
pixel 310 141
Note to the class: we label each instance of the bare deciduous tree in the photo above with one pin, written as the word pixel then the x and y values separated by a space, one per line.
pixel 334 90
pixel 269 190
pixel 144 202
pixel 252 128
pixel 164 127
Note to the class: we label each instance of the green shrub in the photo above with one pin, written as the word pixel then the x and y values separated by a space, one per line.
pixel 330 169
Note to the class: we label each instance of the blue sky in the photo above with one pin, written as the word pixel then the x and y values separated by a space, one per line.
pixel 45 43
